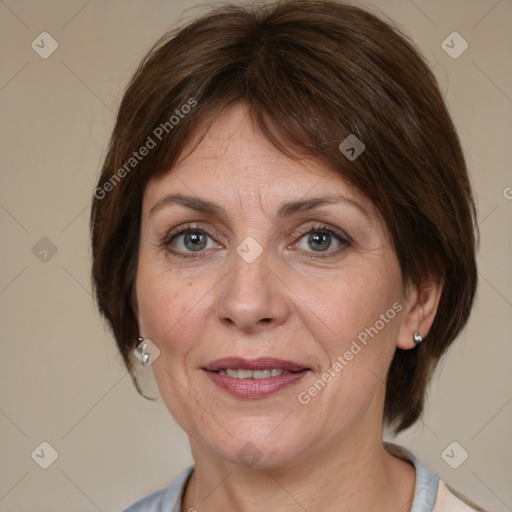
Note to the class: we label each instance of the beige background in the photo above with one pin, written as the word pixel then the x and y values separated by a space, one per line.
pixel 61 379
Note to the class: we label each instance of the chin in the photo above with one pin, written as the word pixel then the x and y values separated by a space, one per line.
pixel 261 444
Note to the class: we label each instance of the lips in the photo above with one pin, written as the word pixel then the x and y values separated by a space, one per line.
pixel 248 379
pixel 262 363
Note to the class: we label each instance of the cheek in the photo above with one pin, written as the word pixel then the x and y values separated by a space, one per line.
pixel 355 303
pixel 163 301
pixel 167 309
pixel 355 322
pixel 169 315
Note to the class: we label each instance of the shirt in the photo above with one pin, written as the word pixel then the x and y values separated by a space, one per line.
pixel 430 493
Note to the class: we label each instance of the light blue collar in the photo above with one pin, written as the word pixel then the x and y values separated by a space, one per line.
pixel 425 490
pixel 169 499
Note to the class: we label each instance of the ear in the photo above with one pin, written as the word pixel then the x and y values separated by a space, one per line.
pixel 420 308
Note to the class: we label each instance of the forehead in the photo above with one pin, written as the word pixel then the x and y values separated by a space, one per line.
pixel 234 145
pixel 234 156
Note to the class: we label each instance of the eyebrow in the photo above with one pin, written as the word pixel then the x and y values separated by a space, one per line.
pixel 285 210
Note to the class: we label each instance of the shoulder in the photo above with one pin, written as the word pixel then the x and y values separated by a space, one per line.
pixel 432 494
pixel 164 500
pixel 449 500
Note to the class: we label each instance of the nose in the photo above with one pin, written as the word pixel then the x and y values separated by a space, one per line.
pixel 252 297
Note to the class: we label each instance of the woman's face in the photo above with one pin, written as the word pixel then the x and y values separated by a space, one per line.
pixel 282 266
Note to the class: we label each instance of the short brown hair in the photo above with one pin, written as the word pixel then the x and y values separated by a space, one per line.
pixel 310 73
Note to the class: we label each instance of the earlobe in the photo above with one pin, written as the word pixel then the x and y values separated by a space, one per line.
pixel 419 313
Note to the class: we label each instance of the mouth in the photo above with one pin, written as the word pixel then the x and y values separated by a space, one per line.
pixel 241 373
pixel 254 378
pixel 261 368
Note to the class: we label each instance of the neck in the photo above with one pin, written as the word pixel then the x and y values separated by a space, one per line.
pixel 357 475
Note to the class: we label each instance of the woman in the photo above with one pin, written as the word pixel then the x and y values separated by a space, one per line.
pixel 284 230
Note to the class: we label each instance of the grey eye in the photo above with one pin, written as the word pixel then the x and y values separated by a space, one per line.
pixel 319 241
pixel 194 241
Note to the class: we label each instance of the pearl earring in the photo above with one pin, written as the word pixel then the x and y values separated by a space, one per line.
pixel 417 338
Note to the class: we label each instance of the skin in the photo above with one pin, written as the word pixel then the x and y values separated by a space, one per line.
pixel 289 303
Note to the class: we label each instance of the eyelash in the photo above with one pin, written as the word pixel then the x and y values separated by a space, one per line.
pixel 317 228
